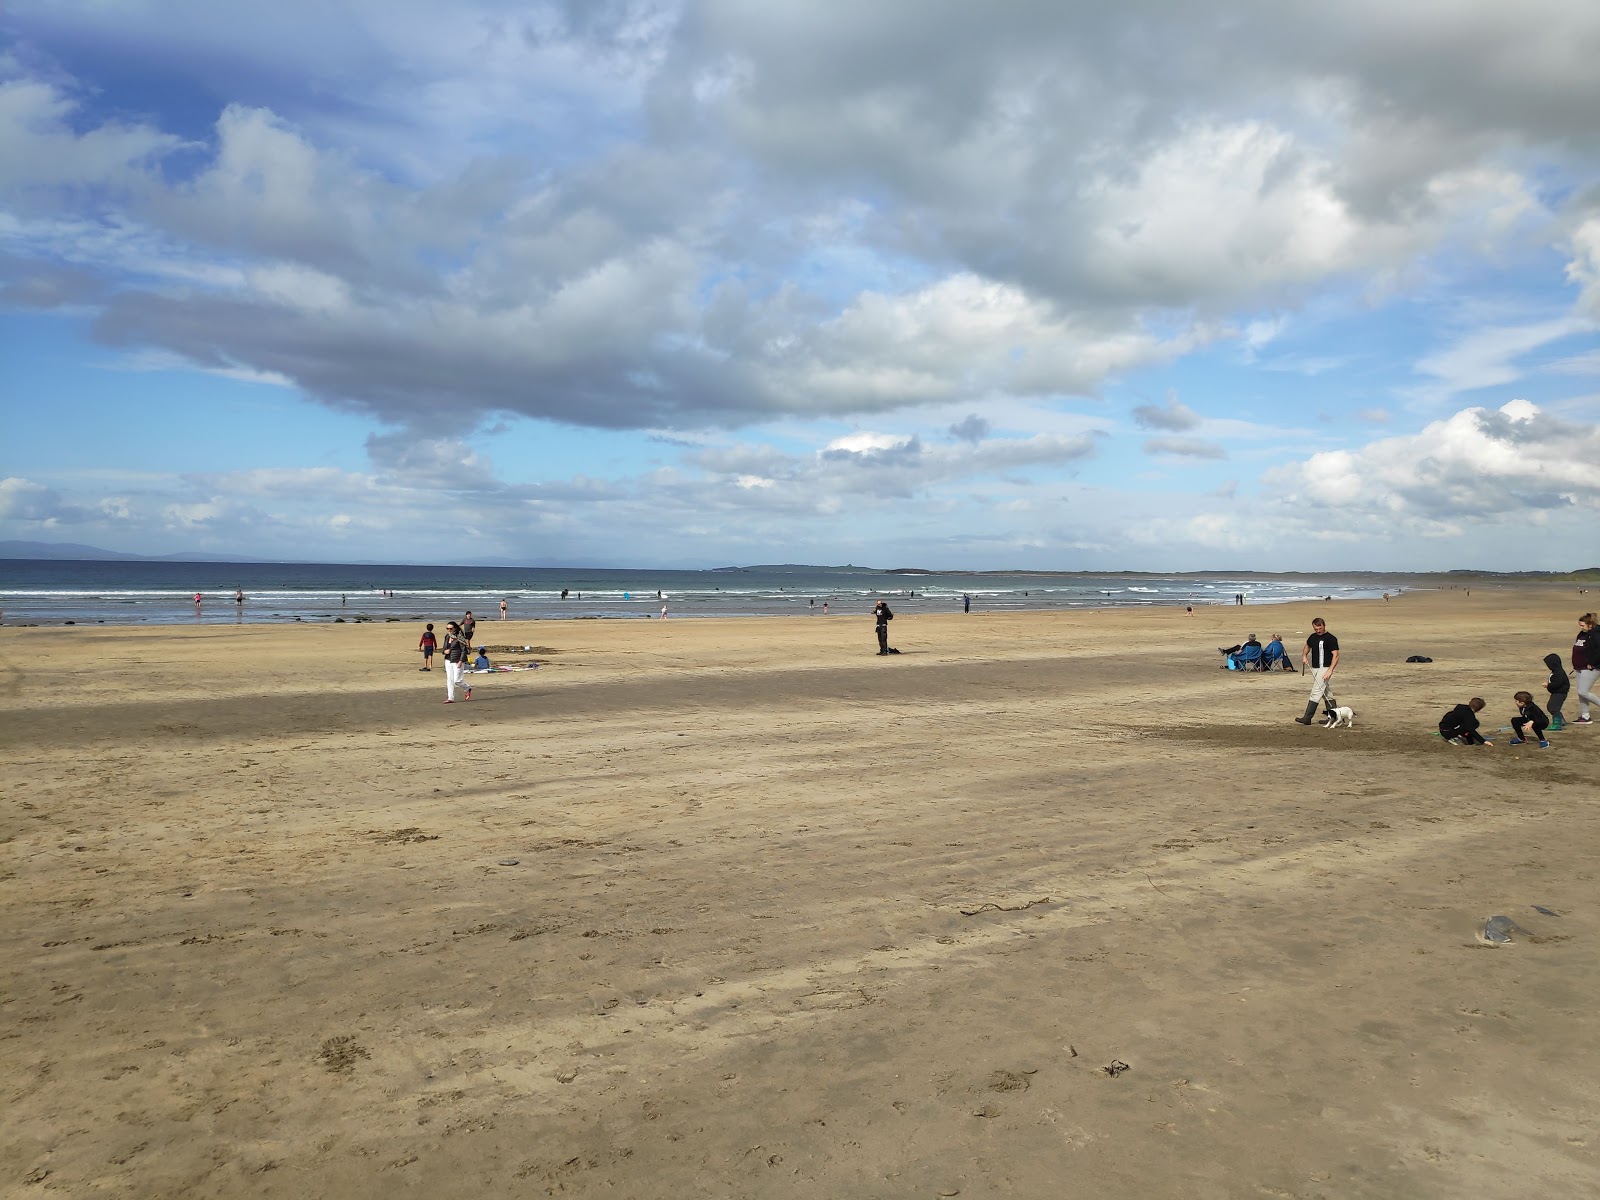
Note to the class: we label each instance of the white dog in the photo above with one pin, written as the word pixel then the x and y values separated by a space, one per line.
pixel 1341 716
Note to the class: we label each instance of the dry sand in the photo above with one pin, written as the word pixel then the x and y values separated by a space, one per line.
pixel 788 919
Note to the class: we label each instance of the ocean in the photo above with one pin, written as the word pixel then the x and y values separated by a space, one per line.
pixel 38 592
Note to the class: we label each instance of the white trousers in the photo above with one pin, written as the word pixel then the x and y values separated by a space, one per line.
pixel 453 679
pixel 1320 686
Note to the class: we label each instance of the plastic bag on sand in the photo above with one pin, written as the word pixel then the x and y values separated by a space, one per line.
pixel 1497 931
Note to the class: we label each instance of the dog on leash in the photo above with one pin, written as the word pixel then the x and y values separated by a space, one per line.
pixel 1340 716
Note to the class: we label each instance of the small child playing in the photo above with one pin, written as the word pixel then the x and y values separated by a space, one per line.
pixel 481 663
pixel 1529 713
pixel 1558 687
pixel 427 644
pixel 1459 726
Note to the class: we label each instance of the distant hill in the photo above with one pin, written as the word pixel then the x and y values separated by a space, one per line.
pixel 43 550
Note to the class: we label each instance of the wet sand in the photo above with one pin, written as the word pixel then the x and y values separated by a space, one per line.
pixel 737 908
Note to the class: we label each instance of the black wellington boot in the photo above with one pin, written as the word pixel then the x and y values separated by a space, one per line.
pixel 1311 710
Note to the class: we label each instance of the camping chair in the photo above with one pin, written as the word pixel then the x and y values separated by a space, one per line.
pixel 1273 656
pixel 1247 658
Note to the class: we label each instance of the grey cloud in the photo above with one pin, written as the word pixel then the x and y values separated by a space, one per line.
pixel 1016 191
pixel 1184 447
pixel 971 428
pixel 1172 415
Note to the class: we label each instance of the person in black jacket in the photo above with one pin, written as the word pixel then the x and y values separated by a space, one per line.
pixel 1558 687
pixel 881 616
pixel 1529 714
pixel 1460 724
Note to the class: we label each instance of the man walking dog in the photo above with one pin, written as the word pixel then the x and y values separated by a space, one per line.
pixel 1322 656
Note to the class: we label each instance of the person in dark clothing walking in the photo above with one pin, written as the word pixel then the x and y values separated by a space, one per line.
pixel 1529 714
pixel 1558 687
pixel 881 616
pixel 1460 724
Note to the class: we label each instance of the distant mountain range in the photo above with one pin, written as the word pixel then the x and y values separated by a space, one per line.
pixel 81 553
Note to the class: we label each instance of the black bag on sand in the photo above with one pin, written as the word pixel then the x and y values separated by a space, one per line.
pixel 1419 658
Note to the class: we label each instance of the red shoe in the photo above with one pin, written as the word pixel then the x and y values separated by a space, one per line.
pixel 469 694
pixel 449 701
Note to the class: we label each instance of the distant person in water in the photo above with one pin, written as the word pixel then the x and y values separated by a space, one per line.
pixel 966 602
pixel 502 610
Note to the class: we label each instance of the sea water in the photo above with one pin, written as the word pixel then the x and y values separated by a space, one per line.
pixel 162 593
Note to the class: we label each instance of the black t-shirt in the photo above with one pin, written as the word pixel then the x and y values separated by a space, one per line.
pixel 881 615
pixel 1321 647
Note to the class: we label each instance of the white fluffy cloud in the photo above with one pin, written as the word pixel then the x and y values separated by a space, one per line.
pixel 941 207
pixel 1477 465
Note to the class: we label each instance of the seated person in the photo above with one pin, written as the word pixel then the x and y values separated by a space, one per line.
pixel 481 663
pixel 1275 653
pixel 1460 724
pixel 1249 641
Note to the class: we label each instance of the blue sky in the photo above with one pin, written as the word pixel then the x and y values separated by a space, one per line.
pixel 1033 285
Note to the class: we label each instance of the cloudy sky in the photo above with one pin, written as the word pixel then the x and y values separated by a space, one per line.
pixel 1038 284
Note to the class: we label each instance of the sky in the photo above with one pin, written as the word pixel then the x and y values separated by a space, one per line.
pixel 1046 284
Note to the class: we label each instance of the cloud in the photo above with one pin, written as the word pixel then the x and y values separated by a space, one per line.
pixel 679 228
pixel 1181 447
pixel 1173 416
pixel 1488 357
pixel 971 428
pixel 1479 465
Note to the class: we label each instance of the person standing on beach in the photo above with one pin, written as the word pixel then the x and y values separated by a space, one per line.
pixel 966 602
pixel 455 662
pixel 1586 662
pixel 1322 655
pixel 502 608
pixel 427 644
pixel 881 617
pixel 468 626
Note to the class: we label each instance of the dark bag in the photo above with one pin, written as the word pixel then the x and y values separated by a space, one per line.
pixel 1419 658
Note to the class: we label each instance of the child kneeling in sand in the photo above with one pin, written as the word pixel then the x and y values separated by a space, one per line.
pixel 1529 714
pixel 1459 726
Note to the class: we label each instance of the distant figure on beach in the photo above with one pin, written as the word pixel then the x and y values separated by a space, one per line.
pixel 1386 597
pixel 238 597
pixel 563 593
pixel 427 644
pixel 343 599
pixel 1586 662
pixel 1189 609
pixel 502 608
pixel 1459 726
pixel 197 599
pixel 824 608
pixel 881 616
pixel 966 602
pixel 455 661
pixel 1322 655
pixel 468 626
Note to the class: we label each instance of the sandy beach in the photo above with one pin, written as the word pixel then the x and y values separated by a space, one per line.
pixel 735 908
